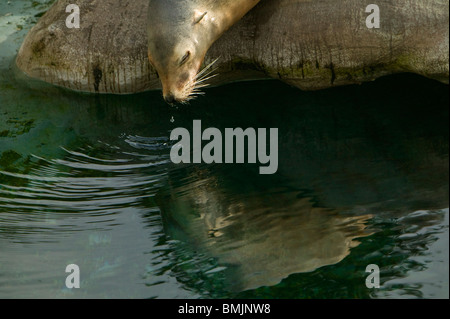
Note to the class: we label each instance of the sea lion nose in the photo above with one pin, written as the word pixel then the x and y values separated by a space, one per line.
pixel 170 98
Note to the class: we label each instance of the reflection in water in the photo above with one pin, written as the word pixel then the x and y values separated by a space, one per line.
pixel 87 179
pixel 340 166
pixel 260 238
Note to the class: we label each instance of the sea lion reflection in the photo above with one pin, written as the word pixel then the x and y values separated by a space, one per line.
pixel 262 238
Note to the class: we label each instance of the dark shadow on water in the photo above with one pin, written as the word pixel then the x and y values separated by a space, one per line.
pixel 350 159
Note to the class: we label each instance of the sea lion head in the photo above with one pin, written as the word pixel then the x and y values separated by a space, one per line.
pixel 179 35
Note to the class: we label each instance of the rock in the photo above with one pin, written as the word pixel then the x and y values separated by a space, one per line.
pixel 309 44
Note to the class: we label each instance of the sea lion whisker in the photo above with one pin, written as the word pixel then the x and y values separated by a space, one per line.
pixel 205 74
pixel 186 100
pixel 206 68
pixel 209 65
pixel 202 86
pixel 196 90
pixel 192 89
pixel 197 84
pixel 199 78
pixel 206 79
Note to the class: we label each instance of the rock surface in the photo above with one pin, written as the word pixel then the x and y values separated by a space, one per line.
pixel 308 43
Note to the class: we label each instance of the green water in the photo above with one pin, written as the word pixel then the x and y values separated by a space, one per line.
pixel 87 180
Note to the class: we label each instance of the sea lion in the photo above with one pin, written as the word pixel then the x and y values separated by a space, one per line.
pixel 260 239
pixel 179 35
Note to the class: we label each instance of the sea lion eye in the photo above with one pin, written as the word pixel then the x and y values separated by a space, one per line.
pixel 185 58
pixel 199 16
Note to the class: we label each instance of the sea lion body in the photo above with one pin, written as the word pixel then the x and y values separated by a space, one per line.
pixel 179 35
